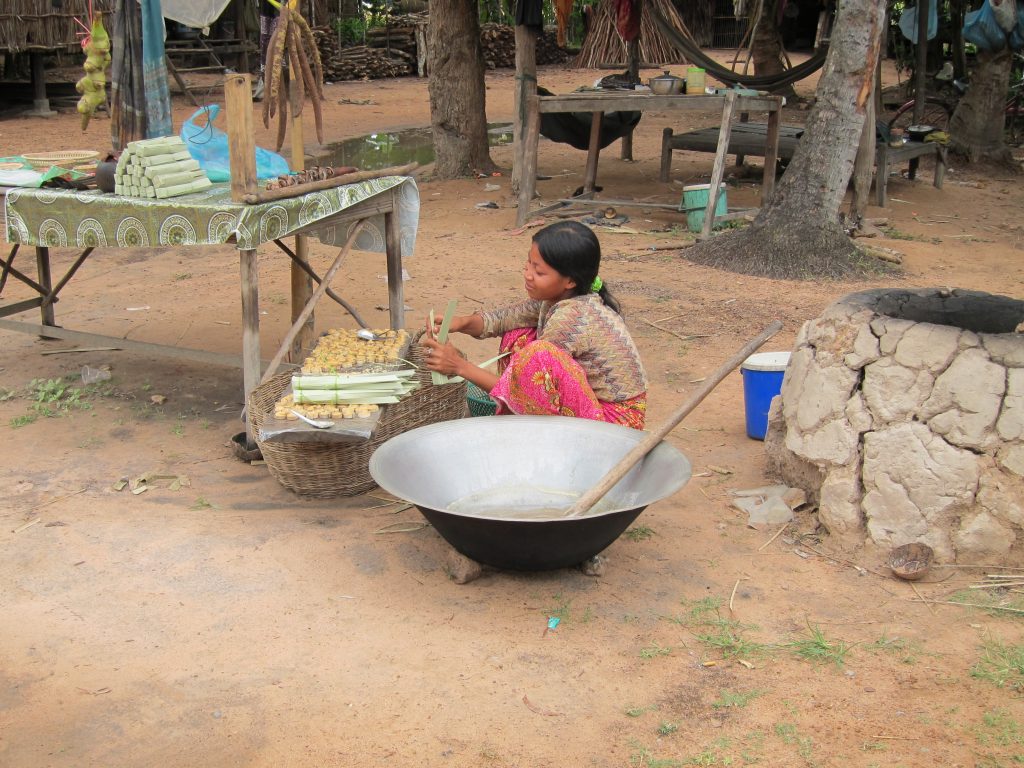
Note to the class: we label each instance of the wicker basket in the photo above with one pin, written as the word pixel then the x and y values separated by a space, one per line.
pixel 65 159
pixel 342 469
pixel 480 403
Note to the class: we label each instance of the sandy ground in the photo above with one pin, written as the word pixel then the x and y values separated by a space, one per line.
pixel 232 623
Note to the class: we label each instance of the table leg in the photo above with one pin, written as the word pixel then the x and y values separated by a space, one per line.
pixel 249 268
pixel 940 167
pixel 771 154
pixel 528 156
pixel 718 169
pixel 45 281
pixel 393 248
pixel 881 172
pixel 593 152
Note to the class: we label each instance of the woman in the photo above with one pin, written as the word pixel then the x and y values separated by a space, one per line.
pixel 570 351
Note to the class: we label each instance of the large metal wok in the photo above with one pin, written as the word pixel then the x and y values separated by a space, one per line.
pixel 498 488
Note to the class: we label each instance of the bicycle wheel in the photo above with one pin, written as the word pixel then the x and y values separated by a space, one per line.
pixel 936 113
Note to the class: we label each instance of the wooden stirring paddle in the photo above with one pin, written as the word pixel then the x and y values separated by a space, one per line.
pixel 645 446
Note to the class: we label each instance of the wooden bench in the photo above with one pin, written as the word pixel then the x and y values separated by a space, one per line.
pixel 886 157
pixel 749 139
pixel 745 139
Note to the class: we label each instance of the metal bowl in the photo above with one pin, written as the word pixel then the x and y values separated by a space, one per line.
pixel 497 487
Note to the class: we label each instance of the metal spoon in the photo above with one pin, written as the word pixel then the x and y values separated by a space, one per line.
pixel 367 335
pixel 317 423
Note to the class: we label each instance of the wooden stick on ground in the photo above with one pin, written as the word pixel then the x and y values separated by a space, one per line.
pixel 283 193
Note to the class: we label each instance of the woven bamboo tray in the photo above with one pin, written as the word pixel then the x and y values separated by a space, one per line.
pixel 64 159
pixel 329 470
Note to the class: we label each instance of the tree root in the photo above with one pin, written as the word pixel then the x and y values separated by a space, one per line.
pixel 786 251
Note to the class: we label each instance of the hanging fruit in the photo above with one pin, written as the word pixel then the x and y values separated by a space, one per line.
pixel 292 41
pixel 93 85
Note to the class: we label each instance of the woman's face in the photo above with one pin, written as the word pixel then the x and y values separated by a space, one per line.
pixel 543 282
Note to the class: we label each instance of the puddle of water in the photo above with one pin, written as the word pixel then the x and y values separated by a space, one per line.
pixel 382 150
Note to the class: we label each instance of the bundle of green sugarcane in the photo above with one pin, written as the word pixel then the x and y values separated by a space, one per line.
pixel 158 168
pixel 354 388
pixel 292 41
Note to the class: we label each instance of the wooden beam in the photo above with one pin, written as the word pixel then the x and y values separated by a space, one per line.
pixel 718 169
pixel 241 132
pixel 526 126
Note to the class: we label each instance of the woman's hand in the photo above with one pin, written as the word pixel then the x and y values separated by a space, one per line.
pixel 446 359
pixel 443 358
pixel 472 325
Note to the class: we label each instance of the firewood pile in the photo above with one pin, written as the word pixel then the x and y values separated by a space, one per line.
pixel 392 51
pixel 360 61
pixel 499 46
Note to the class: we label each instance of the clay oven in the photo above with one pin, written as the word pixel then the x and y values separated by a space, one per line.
pixel 902 413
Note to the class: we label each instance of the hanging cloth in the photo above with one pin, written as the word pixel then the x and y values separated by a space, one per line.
pixel 530 13
pixel 908 21
pixel 194 13
pixel 127 89
pixel 154 72
pixel 627 19
pixel 563 9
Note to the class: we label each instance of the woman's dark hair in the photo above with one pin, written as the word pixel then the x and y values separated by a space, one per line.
pixel 573 250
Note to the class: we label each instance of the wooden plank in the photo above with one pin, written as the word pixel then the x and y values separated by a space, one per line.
pixel 43 273
pixel 593 152
pixel 864 162
pixel 393 248
pixel 631 101
pixel 301 284
pixel 249 271
pixel 130 345
pixel 771 154
pixel 526 126
pixel 241 132
pixel 20 306
pixel 718 169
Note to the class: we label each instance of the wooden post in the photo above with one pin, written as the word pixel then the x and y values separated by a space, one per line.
pixel 301 283
pixel 393 249
pixel 45 282
pixel 633 72
pixel 593 152
pixel 525 127
pixel 718 169
pixel 920 76
pixel 240 35
pixel 241 144
pixel 771 152
pixel 249 269
pixel 864 163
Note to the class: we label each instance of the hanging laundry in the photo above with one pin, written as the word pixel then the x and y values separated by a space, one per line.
pixel 530 13
pixel 627 19
pixel 563 8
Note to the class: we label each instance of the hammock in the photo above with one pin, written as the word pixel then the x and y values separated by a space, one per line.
pixel 761 82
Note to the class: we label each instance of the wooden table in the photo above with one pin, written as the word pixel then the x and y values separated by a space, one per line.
pixel 598 102
pixel 92 220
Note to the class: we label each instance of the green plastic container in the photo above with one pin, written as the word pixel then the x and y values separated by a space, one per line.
pixel 695 202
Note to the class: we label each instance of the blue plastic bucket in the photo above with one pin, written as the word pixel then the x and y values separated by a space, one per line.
pixel 762 380
pixel 695 202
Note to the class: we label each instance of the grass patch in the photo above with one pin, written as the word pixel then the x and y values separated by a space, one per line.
pixel 896 234
pixel 904 650
pixel 1000 729
pixel 639 533
pixel 666 728
pixel 729 699
pixel 1001 664
pixel 819 649
pixel 654 651
pixel 994 603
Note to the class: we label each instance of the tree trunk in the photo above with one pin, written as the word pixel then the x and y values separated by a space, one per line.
pixel 978 124
pixel 766 45
pixel 797 234
pixel 456 87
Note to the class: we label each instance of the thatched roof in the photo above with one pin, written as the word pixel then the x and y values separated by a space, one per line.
pixel 43 25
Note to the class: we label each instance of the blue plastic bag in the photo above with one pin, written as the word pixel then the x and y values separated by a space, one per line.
pixel 209 145
pixel 982 29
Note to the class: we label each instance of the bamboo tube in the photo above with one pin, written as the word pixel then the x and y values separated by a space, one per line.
pixel 269 195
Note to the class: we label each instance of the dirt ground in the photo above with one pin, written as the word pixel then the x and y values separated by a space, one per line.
pixel 231 623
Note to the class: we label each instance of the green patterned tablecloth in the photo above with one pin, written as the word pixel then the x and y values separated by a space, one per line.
pixel 58 218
